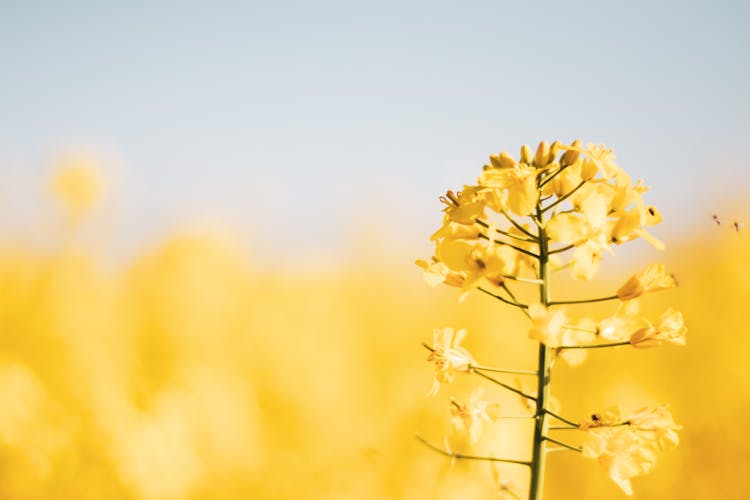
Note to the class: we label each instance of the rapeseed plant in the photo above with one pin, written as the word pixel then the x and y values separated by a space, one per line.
pixel 561 208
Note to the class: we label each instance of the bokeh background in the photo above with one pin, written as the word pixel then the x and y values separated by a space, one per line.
pixel 209 216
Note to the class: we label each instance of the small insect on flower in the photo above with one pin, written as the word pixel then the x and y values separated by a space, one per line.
pixel 737 226
pixel 716 219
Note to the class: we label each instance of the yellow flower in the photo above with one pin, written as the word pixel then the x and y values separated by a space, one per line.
pixel 436 272
pixel 670 330
pixel 581 332
pixel 651 279
pixel 658 421
pixel 585 260
pixel 518 185
pixel 603 159
pixel 477 262
pixel 620 451
pixel 623 323
pixel 453 230
pixel 589 225
pixel 461 255
pixel 546 325
pixel 464 207
pixel 628 225
pixel 567 228
pixel 448 355
pixel 627 447
pixel 627 194
pixel 468 419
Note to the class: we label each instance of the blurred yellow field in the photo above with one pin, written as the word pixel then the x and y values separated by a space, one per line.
pixel 187 372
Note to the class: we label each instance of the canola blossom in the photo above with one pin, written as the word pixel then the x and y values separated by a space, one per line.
pixel 561 208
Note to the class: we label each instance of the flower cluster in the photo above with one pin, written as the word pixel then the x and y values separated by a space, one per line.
pixel 560 207
pixel 605 208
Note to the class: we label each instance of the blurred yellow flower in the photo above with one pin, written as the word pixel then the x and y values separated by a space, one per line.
pixel 657 420
pixel 467 420
pixel 78 185
pixel 651 279
pixel 627 447
pixel 670 329
pixel 546 325
pixel 579 332
pixel 448 355
pixel 623 323
pixel 436 272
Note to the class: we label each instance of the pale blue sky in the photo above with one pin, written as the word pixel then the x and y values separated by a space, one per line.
pixel 287 118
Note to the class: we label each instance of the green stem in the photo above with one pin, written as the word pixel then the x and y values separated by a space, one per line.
pixel 583 301
pixel 453 454
pixel 536 487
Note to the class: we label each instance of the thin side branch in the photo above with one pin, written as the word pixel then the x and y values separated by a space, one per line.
pixel 454 454
pixel 500 242
pixel 578 329
pixel 563 444
pixel 506 386
pixel 522 280
pixel 563 249
pixel 549 178
pixel 505 233
pixel 501 370
pixel 594 346
pixel 503 299
pixel 519 226
pixel 583 301
pixel 563 197
pixel 561 419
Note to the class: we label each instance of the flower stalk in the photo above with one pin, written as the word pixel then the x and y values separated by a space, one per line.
pixel 543 373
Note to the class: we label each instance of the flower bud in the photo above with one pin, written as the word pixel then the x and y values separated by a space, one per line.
pixel 503 160
pixel 541 159
pixel 571 155
pixel 554 148
pixel 526 155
